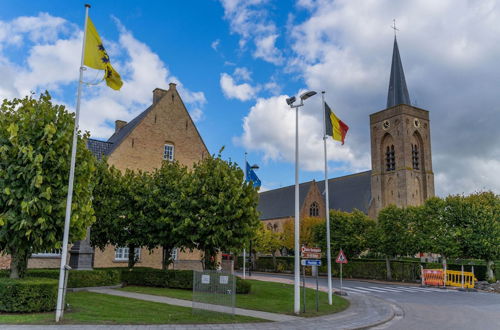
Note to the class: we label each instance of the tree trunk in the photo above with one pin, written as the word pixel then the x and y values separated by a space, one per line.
pixel 388 268
pixel 209 260
pixel 18 264
pixel 274 260
pixel 489 270
pixel 167 254
pixel 131 256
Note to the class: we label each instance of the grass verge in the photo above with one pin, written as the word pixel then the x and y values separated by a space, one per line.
pixel 264 296
pixel 95 308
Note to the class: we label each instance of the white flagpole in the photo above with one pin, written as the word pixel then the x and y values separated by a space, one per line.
pixel 244 250
pixel 327 211
pixel 64 255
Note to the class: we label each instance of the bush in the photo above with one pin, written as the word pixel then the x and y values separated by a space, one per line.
pixel 28 295
pixel 82 278
pixel 176 279
pixel 243 286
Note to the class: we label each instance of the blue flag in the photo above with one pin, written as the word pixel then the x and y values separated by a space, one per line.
pixel 251 176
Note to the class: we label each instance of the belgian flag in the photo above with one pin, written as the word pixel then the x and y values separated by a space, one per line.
pixel 335 127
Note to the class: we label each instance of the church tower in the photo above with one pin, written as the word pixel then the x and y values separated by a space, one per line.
pixel 400 148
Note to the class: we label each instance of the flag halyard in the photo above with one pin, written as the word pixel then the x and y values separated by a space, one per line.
pixel 96 57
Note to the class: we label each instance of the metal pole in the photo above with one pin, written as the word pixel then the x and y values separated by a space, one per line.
pixel 340 278
pixel 462 277
pixel 317 290
pixel 304 287
pixel 296 218
pixel 244 250
pixel 327 206
pixel 422 278
pixel 250 260
pixel 64 255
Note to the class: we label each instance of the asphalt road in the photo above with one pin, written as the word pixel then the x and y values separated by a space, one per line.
pixel 426 308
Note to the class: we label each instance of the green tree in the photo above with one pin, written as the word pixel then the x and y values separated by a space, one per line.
pixel 267 241
pixel 482 228
pixel 307 235
pixel 222 208
pixel 394 234
pixel 348 231
pixel 35 148
pixel 167 209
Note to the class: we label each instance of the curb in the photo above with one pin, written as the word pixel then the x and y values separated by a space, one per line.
pixel 118 286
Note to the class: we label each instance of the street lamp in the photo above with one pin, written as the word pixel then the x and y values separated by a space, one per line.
pixel 290 101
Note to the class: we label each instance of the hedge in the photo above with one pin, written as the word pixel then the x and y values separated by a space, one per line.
pixel 175 279
pixel 28 295
pixel 402 270
pixel 78 278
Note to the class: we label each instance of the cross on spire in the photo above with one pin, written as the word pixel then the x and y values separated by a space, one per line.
pixel 394 27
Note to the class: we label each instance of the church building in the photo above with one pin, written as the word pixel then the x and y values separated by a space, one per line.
pixel 401 172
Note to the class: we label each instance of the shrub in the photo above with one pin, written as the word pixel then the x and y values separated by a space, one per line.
pixel 82 278
pixel 243 286
pixel 176 279
pixel 28 295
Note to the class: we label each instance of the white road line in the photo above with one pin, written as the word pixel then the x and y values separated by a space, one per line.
pixel 373 290
pixel 354 290
pixel 385 288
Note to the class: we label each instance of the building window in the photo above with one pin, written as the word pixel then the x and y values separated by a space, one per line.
pixel 121 253
pixel 168 152
pixel 51 253
pixel 175 254
pixel 390 159
pixel 314 210
pixel 415 156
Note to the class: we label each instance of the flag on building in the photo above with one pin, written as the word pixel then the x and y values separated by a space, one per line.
pixel 96 57
pixel 335 127
pixel 251 176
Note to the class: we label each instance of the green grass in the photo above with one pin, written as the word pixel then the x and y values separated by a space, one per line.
pixel 264 296
pixel 95 308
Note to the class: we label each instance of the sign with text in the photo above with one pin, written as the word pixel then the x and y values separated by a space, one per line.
pixel 310 262
pixel 341 258
pixel 310 252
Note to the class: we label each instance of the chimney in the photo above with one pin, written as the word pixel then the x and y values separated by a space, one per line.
pixel 172 86
pixel 158 94
pixel 119 125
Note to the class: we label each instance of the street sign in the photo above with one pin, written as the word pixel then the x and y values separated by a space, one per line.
pixel 310 262
pixel 304 249
pixel 311 255
pixel 341 259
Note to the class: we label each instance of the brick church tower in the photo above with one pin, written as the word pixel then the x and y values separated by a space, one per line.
pixel 400 148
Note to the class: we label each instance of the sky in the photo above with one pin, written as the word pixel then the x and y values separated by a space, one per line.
pixel 236 61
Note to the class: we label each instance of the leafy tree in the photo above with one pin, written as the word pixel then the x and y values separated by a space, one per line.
pixel 222 208
pixel 268 241
pixel 482 229
pixel 307 236
pixel 394 234
pixel 167 209
pixel 348 231
pixel 35 147
pixel 121 202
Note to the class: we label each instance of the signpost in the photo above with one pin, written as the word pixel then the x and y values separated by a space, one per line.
pixel 311 256
pixel 341 259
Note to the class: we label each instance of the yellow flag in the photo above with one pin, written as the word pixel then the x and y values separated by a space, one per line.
pixel 96 57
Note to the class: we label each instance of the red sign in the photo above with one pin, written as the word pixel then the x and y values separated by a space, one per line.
pixel 310 255
pixel 305 249
pixel 341 259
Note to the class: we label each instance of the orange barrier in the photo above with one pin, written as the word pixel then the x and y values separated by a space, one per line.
pixel 433 277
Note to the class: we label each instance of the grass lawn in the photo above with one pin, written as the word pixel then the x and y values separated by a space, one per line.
pixel 264 296
pixel 95 308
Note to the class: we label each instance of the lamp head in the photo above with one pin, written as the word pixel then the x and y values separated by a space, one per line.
pixel 290 100
pixel 307 95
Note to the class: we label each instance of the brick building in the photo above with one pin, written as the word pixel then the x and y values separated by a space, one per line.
pixel 401 171
pixel 164 131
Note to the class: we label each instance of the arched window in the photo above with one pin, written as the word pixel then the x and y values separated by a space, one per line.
pixel 314 210
pixel 415 156
pixel 390 159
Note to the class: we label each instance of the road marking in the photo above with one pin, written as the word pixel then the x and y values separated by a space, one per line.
pixel 385 288
pixel 352 289
pixel 365 288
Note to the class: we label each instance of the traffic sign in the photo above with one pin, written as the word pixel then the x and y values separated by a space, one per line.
pixel 311 255
pixel 305 249
pixel 310 262
pixel 341 259
pixel 310 252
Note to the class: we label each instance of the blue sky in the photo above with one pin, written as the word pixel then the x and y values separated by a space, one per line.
pixel 236 61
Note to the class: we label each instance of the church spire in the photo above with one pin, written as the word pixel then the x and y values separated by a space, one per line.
pixel 398 92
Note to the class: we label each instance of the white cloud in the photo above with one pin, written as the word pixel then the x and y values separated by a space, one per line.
pixel 232 90
pixel 270 128
pixel 242 74
pixel 215 44
pixel 51 44
pixel 250 20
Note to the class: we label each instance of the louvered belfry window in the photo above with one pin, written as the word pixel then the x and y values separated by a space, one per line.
pixel 390 159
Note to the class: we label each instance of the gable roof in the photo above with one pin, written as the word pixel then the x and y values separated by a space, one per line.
pixel 99 148
pixel 117 137
pixel 346 193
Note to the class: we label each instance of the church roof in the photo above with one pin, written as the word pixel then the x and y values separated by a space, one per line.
pixel 346 193
pixel 398 92
pixel 99 148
